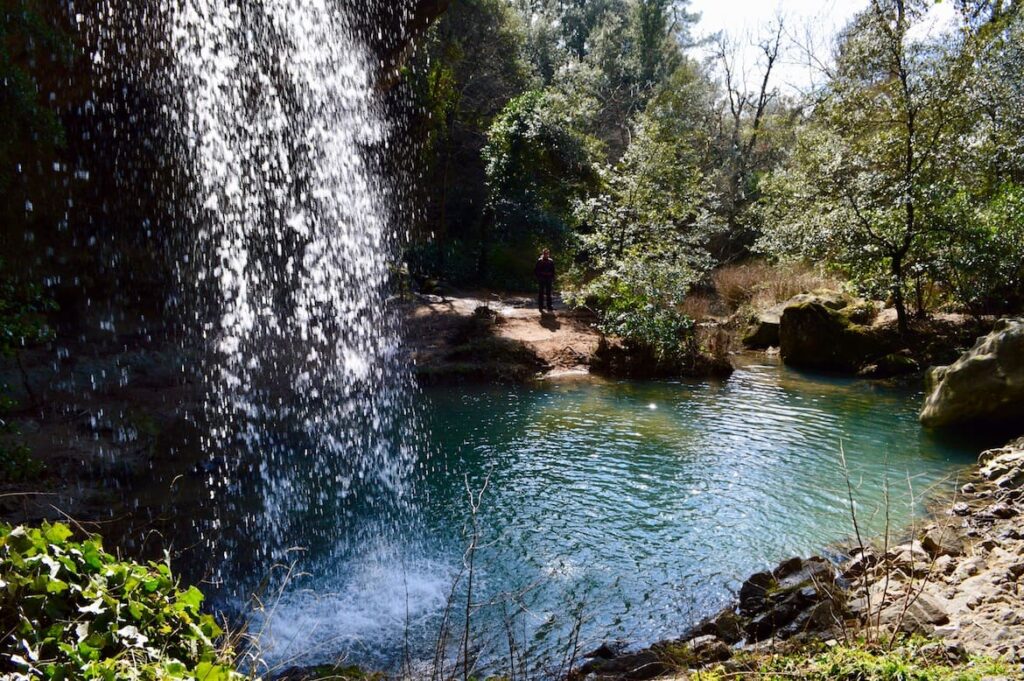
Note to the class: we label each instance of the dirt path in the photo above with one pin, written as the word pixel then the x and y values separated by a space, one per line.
pixel 563 341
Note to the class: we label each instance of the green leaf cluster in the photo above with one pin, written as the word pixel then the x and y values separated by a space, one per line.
pixel 537 164
pixel 70 610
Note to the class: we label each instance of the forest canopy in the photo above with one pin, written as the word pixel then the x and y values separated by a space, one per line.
pixel 591 127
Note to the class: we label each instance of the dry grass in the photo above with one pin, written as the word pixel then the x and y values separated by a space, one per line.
pixel 698 306
pixel 762 285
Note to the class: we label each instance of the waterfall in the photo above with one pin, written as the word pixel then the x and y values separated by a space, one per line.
pixel 273 127
pixel 286 243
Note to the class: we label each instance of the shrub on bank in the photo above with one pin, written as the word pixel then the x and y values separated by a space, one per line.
pixel 915 659
pixel 69 610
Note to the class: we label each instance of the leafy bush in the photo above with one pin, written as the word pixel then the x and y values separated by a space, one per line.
pixel 456 262
pixel 639 301
pixel 69 610
pixel 23 311
pixel 537 166
pixel 981 261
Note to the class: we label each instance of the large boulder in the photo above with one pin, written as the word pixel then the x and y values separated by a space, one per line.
pixel 764 327
pixel 985 386
pixel 813 335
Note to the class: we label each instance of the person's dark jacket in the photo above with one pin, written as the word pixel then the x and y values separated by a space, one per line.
pixel 544 270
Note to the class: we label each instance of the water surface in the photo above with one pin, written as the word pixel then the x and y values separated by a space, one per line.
pixel 640 505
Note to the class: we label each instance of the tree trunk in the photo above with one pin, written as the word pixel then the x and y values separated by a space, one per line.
pixel 897 295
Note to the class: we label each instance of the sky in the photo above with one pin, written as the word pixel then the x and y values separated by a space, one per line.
pixel 819 19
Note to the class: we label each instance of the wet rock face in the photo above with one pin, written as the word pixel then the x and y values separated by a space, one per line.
pixel 391 28
pixel 986 385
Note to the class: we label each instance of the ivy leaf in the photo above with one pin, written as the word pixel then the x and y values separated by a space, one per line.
pixel 192 599
pixel 57 533
pixel 56 586
pixel 95 608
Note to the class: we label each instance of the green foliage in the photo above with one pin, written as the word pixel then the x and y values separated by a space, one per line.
pixel 639 302
pixel 655 204
pixel 69 610
pixel 913 660
pixel 981 256
pixel 537 166
pixel 17 463
pixel 23 308
pixel 454 261
pixel 905 174
pixel 642 240
pixel 468 67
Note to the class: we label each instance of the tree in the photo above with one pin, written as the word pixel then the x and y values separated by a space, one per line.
pixel 470 65
pixel 865 183
pixel 642 238
pixel 747 144
pixel 631 49
pixel 982 260
pixel 537 167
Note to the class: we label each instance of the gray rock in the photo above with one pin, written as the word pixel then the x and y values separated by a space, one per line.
pixel 764 330
pixel 797 596
pixel 986 385
pixel 705 650
pixel 861 562
pixel 1001 511
pixel 924 614
pixel 961 508
pixel 1012 479
pixel 754 590
pixel 942 543
pixel 728 627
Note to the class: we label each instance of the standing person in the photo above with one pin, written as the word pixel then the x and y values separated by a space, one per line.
pixel 544 270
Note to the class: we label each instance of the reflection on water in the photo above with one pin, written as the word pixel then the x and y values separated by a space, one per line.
pixel 646 503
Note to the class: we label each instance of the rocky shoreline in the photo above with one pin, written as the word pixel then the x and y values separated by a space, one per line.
pixel 958 582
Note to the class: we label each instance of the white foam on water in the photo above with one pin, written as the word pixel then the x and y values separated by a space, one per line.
pixel 379 601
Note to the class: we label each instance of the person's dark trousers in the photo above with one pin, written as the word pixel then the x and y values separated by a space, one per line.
pixel 544 295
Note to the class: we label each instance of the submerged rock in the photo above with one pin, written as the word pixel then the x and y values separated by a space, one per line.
pixel 986 385
pixel 893 364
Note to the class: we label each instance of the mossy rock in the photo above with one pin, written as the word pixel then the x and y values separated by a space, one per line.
pixel 814 336
pixel 985 386
pixel 764 328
